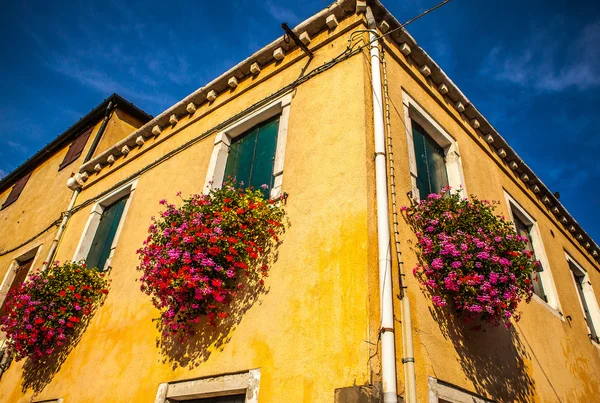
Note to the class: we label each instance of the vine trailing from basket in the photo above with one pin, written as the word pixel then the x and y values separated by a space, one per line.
pixel 471 258
pixel 43 313
pixel 198 254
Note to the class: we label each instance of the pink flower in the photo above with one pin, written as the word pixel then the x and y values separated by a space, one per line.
pixel 437 263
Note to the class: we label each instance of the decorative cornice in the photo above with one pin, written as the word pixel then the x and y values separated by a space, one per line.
pixel 277 50
pixel 409 47
pixel 274 52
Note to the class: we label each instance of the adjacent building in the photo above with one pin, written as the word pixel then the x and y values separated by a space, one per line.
pixel 309 118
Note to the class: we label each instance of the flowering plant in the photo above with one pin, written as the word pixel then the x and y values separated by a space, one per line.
pixel 195 254
pixel 471 257
pixel 43 311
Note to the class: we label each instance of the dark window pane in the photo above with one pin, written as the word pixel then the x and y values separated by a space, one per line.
pixel 16 191
pixel 105 234
pixel 431 165
pixel 252 154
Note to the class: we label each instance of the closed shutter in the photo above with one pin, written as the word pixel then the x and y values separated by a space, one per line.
pixel 76 148
pixel 20 276
pixel 16 191
pixel 579 281
pixel 431 165
pixel 252 155
pixel 105 235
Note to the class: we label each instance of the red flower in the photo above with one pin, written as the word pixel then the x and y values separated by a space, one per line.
pixel 62 293
pixel 74 319
pixel 199 276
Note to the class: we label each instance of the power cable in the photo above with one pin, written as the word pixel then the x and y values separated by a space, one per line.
pixel 346 54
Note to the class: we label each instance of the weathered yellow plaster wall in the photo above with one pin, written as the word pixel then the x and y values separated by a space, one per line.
pixel 315 329
pixel 45 196
pixel 119 126
pixel 545 358
pixel 42 200
pixel 308 333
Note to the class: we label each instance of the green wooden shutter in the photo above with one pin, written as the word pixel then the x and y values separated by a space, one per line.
pixel 105 234
pixel 252 155
pixel 431 165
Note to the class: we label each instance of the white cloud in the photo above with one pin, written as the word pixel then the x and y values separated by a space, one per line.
pixel 3 173
pixel 547 63
pixel 281 14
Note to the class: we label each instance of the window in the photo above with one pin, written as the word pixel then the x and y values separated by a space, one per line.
pixel 105 234
pixel 431 164
pixel 433 154
pixel 525 231
pixel 587 298
pixel 233 388
pixel 76 148
pixel 99 241
pixel 526 226
pixel 252 154
pixel 252 149
pixel 442 392
pixel 17 274
pixel 16 191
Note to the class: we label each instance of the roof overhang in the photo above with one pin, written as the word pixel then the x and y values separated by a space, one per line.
pixel 93 117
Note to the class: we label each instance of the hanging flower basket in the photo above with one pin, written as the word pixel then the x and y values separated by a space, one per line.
pixel 471 258
pixel 197 254
pixel 42 314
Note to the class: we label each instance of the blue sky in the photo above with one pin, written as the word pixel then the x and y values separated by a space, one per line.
pixel 531 67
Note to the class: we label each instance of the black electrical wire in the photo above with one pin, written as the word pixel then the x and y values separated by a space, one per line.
pixel 346 54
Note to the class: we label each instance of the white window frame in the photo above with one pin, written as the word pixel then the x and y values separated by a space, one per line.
pixel 11 273
pixel 218 159
pixel 540 253
pixel 456 177
pixel 223 385
pixel 91 226
pixel 439 390
pixel 589 295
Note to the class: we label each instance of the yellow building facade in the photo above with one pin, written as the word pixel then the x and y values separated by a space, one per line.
pixel 314 334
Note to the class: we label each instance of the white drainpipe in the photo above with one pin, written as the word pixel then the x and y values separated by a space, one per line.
pixel 388 348
pixel 62 226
